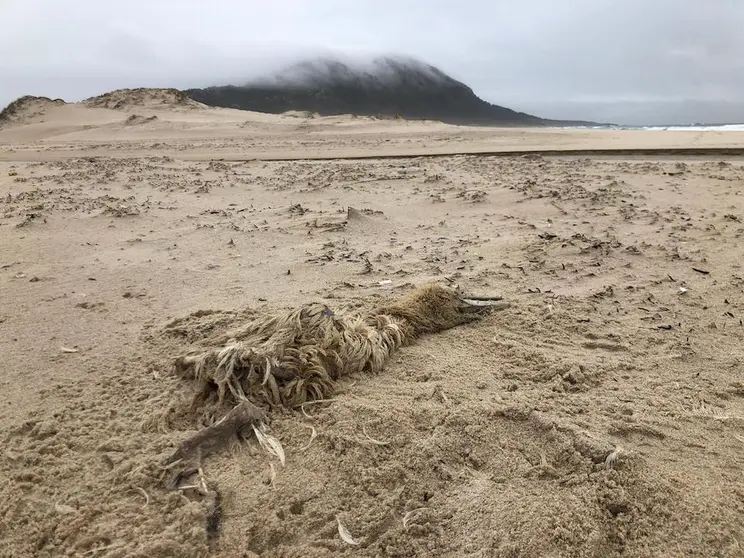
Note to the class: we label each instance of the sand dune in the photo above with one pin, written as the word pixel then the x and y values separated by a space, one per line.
pixel 600 415
pixel 186 129
pixel 126 99
pixel 110 117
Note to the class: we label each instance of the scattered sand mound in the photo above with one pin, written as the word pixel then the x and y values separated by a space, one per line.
pixel 299 114
pixel 123 99
pixel 137 119
pixel 26 108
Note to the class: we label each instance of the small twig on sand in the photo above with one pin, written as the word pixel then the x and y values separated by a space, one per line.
pixel 344 533
pixel 94 551
pixel 314 402
pixel 202 481
pixel 373 440
pixel 313 435
pixel 144 493
pixel 270 444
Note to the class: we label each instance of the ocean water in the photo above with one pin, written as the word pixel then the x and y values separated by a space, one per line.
pixel 721 128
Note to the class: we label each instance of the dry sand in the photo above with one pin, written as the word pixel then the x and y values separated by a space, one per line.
pixel 601 415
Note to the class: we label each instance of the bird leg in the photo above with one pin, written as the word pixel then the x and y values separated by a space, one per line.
pixel 186 460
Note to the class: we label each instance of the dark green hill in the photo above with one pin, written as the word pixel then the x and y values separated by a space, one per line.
pixel 387 87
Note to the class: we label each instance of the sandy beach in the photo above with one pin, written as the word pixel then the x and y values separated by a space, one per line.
pixel 601 414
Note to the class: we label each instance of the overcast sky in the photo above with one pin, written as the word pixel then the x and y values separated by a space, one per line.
pixel 627 61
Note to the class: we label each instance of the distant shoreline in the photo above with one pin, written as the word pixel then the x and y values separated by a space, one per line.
pixel 669 128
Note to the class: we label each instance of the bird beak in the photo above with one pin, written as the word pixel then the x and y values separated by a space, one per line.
pixel 481 303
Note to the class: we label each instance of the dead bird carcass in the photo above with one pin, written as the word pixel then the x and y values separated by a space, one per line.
pixel 289 359
pixel 292 358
